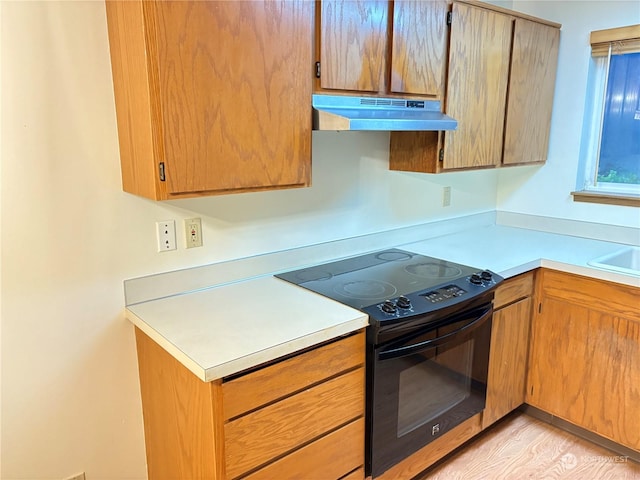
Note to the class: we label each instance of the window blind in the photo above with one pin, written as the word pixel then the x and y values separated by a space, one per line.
pixel 621 39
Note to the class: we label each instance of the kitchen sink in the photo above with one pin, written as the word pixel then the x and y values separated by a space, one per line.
pixel 626 260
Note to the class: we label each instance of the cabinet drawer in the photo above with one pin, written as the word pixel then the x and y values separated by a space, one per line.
pixel 514 289
pixel 329 458
pixel 608 297
pixel 355 475
pixel 276 381
pixel 279 428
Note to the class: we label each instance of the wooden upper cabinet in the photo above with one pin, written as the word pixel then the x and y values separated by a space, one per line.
pixel 500 86
pixel 534 60
pixel 419 47
pixel 477 89
pixel 353 44
pixel 211 96
pixel 382 47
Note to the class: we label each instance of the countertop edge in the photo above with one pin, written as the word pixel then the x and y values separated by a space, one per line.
pixel 585 271
pixel 208 374
pixel 174 351
pixel 591 272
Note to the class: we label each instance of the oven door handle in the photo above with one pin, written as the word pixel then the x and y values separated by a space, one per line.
pixel 403 351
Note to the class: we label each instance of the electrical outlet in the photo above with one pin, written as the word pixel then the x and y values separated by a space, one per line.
pixel 193 232
pixel 166 235
pixel 446 196
pixel 77 476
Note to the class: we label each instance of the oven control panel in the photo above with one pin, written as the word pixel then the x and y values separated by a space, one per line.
pixel 444 293
pixel 432 299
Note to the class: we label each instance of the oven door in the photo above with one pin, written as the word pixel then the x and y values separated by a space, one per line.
pixel 424 384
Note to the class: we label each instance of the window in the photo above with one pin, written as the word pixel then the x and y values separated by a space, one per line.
pixel 610 153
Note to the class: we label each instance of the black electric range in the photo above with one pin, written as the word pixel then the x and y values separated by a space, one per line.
pixel 428 343
pixel 392 285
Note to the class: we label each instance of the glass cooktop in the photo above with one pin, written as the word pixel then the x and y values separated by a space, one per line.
pixel 373 278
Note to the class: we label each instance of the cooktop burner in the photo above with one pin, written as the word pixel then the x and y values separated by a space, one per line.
pixel 363 289
pixel 394 283
pixel 432 269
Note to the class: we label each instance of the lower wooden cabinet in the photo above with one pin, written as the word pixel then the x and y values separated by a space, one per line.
pixel 509 348
pixel 301 417
pixel 573 353
pixel 585 355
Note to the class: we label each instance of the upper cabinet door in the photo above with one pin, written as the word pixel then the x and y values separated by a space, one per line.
pixel 234 105
pixel 531 88
pixel 353 45
pixel 419 47
pixel 212 96
pixel 476 94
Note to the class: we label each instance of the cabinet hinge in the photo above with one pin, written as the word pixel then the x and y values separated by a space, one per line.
pixel 441 155
pixel 449 18
pixel 317 69
pixel 161 171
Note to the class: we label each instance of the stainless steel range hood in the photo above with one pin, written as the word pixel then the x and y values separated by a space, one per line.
pixel 341 112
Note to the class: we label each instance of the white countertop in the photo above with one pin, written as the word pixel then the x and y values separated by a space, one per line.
pixel 510 251
pixel 224 329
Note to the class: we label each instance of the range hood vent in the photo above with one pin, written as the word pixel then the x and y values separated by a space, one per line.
pixel 341 112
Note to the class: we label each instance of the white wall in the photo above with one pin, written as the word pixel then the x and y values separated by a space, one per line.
pixel 70 399
pixel 546 190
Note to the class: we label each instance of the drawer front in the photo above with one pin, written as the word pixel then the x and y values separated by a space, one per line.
pixel 608 297
pixel 329 458
pixel 355 475
pixel 279 428
pixel 514 289
pixel 281 379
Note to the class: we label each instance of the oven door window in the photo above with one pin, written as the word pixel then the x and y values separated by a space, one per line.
pixel 426 383
pixel 433 383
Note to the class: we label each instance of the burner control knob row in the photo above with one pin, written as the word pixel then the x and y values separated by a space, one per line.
pixel 389 306
pixel 478 278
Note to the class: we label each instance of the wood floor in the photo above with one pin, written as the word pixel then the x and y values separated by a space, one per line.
pixel 522 447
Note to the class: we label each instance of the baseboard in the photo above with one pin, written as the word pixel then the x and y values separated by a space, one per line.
pixel 581 432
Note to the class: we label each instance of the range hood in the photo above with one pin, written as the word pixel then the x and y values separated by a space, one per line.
pixel 341 112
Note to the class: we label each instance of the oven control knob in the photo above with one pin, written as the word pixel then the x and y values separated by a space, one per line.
pixel 403 302
pixel 475 279
pixel 486 276
pixel 388 307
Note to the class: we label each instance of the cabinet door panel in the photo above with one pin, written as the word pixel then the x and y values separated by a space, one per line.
pixel 586 369
pixel 531 88
pixel 353 45
pixel 419 47
pixel 234 111
pixel 508 360
pixel 476 93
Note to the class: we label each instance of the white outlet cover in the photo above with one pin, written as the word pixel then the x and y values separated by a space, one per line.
pixel 166 233
pixel 193 232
